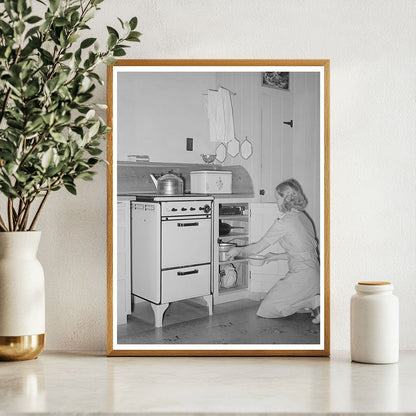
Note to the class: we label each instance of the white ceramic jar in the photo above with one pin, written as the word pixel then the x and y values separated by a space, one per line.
pixel 374 323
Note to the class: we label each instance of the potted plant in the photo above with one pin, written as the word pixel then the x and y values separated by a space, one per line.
pixel 50 136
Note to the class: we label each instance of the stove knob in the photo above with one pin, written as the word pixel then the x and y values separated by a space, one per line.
pixel 183 209
pixel 174 209
pixel 206 209
pixel 192 209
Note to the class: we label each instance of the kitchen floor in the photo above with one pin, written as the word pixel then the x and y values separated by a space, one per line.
pixel 188 322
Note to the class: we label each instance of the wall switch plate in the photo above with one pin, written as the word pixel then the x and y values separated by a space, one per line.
pixel 189 144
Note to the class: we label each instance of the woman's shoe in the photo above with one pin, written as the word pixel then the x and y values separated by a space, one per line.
pixel 317 319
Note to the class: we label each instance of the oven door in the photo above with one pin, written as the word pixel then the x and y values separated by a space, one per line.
pixel 186 242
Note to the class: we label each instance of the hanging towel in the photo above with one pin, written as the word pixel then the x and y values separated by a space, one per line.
pixel 220 116
pixel 227 114
pixel 214 115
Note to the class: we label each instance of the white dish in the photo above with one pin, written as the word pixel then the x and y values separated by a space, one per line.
pixel 257 260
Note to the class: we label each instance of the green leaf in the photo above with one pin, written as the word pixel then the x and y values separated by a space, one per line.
pixel 21 176
pixel 87 42
pixel 60 138
pixel 121 22
pixel 48 118
pixel 133 37
pixel 74 18
pixel 73 38
pixel 110 60
pixel 20 28
pixel 31 31
pixel 90 114
pixel 35 125
pixel 21 5
pixel 112 31
pixel 33 19
pixel 112 40
pixel 119 51
pixel 7 30
pixel 86 176
pixel 94 151
pixel 133 23
pixel 51 172
pixel 53 5
pixel 70 188
pixel 61 21
pixel 10 168
pixel 63 41
pixel 88 16
pixel 47 158
pixel 94 129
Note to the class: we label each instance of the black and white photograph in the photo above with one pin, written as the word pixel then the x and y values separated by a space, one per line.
pixel 218 210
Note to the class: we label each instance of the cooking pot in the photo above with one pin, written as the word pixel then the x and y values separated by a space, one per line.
pixel 223 248
pixel 168 184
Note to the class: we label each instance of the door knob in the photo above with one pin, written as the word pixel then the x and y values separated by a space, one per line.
pixel 289 123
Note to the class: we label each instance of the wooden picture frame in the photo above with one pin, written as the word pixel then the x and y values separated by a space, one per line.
pixel 221 71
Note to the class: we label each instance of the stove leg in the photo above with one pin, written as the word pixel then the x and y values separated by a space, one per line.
pixel 159 311
pixel 208 300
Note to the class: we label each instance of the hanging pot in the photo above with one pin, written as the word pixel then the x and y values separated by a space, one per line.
pixel 169 184
pixel 22 297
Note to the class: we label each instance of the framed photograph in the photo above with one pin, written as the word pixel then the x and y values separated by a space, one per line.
pixel 211 254
pixel 278 80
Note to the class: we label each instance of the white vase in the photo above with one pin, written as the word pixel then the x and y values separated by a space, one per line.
pixel 22 296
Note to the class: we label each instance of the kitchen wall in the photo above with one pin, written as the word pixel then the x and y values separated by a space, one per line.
pixel 373 197
pixel 157 112
pixel 306 135
pixel 298 149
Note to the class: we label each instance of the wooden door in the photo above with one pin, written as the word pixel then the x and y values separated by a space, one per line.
pixel 276 141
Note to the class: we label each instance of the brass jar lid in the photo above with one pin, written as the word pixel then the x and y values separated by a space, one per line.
pixel 374 283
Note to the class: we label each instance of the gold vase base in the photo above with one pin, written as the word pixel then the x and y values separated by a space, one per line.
pixel 21 348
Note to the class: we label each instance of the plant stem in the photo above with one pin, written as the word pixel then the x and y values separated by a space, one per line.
pixel 2 225
pixel 26 216
pixel 39 209
pixel 20 212
pixel 10 213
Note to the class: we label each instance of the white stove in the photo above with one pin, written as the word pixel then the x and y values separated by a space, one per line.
pixel 171 250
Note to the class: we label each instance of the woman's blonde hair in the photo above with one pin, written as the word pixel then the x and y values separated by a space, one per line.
pixel 293 196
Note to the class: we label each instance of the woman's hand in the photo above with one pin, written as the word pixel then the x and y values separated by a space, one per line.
pixel 234 252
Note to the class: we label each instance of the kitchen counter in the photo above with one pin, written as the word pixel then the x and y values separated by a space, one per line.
pixel 84 383
pixel 133 195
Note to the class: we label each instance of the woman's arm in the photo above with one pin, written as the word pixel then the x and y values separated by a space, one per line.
pixel 275 256
pixel 248 250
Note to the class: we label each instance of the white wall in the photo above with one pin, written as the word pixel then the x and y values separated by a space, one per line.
pixel 373 124
pixel 157 112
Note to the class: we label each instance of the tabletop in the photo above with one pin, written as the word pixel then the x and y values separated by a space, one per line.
pixel 87 382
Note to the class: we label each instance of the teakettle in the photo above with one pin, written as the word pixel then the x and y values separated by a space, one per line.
pixel 169 184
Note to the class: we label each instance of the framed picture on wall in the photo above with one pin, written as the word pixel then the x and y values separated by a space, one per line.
pixel 224 257
pixel 278 80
